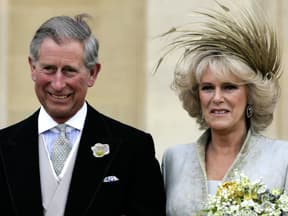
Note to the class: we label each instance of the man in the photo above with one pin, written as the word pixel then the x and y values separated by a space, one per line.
pixel 104 167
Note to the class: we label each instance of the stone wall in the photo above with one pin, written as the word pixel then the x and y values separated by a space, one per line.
pixel 129 49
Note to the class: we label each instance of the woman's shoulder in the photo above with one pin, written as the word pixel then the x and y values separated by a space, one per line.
pixel 270 142
pixel 177 157
pixel 267 139
pixel 180 148
pixel 179 152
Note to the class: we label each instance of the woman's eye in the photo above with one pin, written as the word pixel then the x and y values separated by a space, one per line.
pixel 230 87
pixel 207 88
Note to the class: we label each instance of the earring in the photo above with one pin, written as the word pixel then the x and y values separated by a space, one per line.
pixel 249 111
pixel 202 119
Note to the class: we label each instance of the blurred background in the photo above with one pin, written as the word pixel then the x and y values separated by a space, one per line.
pixel 125 89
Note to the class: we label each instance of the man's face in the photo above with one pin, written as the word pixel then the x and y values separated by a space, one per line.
pixel 61 78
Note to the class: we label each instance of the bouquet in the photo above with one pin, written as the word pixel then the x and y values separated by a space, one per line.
pixel 241 197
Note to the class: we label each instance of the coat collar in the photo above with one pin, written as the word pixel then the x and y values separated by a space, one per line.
pixel 201 145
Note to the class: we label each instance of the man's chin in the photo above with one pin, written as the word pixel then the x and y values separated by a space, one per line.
pixel 60 115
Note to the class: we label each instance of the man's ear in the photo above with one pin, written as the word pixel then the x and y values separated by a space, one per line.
pixel 93 74
pixel 32 68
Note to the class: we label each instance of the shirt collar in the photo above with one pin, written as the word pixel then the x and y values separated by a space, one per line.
pixel 45 121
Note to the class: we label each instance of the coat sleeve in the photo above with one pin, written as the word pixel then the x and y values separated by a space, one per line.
pixel 6 205
pixel 147 196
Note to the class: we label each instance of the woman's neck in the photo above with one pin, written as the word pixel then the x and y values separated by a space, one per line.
pixel 227 141
pixel 221 152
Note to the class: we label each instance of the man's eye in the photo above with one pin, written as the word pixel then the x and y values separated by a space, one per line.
pixel 69 70
pixel 49 69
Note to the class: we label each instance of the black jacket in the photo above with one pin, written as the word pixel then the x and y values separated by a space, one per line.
pixel 139 191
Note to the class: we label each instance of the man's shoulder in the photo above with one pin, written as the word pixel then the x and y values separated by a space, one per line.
pixel 115 124
pixel 122 127
pixel 30 121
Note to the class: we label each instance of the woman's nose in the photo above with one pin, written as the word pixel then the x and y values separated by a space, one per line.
pixel 218 96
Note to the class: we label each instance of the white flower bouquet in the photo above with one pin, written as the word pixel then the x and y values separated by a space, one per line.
pixel 241 197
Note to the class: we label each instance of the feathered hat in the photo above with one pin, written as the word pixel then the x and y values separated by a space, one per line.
pixel 248 37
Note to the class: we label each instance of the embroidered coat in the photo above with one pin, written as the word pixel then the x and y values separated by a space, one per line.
pixel 185 176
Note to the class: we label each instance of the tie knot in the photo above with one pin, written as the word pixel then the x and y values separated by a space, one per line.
pixel 61 127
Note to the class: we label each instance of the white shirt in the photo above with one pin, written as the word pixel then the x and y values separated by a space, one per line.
pixel 46 129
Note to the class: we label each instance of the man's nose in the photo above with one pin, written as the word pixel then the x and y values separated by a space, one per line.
pixel 58 82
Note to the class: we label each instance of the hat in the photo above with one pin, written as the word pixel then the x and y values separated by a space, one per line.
pixel 243 33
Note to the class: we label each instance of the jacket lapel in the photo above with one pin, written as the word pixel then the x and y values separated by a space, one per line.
pixel 89 171
pixel 21 163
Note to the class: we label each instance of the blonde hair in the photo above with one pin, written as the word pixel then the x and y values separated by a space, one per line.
pixel 262 92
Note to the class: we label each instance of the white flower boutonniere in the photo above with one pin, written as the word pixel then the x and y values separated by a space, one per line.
pixel 100 150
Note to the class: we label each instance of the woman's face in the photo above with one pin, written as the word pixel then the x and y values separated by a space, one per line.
pixel 223 103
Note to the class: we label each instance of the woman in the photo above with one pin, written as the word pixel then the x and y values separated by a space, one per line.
pixel 229 82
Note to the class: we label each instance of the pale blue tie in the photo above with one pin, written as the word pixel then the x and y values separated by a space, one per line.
pixel 60 149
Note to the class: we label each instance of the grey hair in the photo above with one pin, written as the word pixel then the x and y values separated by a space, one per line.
pixel 63 28
pixel 263 92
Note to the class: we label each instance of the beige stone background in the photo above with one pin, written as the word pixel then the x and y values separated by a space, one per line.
pixel 129 49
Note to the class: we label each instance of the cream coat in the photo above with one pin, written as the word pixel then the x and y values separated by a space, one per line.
pixel 185 176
